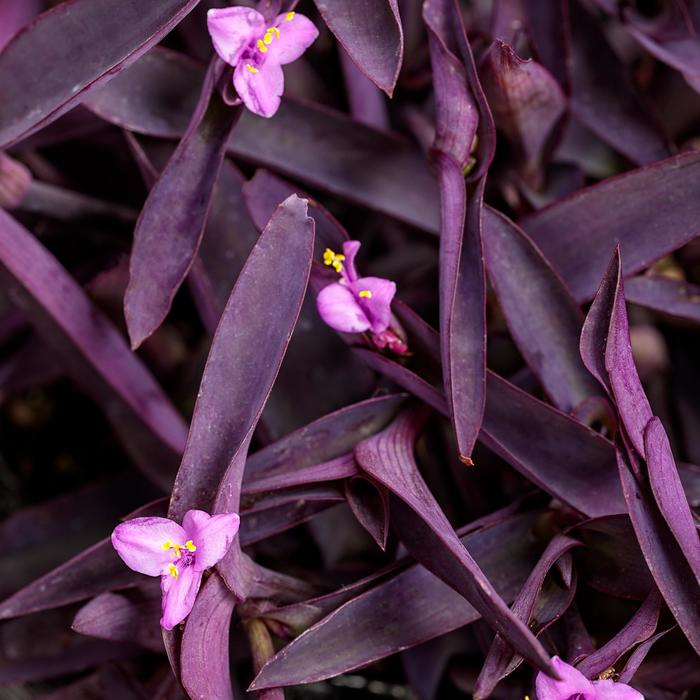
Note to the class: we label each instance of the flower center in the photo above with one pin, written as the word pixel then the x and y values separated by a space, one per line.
pixel 182 559
pixel 255 53
pixel 334 260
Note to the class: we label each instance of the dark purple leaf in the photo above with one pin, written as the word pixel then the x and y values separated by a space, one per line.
pixel 205 643
pixel 638 629
pixel 527 103
pixel 43 75
pixel 369 503
pixel 547 26
pixel 427 534
pixel 157 96
pixel 246 354
pixel 669 296
pixel 543 319
pixel 650 211
pixel 371 33
pixel 15 14
pixel 638 655
pixel 130 616
pixel 416 606
pixel 94 352
pixel 171 224
pixel 675 579
pixel 366 102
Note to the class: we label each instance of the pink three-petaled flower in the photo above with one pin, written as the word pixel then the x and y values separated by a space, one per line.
pixel 356 304
pixel 258 50
pixel 179 554
pixel 575 686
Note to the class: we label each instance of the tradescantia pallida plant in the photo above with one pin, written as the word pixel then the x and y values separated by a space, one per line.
pixel 349 349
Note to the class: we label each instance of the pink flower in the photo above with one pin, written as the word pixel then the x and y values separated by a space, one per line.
pixel 178 554
pixel 575 686
pixel 359 304
pixel 258 51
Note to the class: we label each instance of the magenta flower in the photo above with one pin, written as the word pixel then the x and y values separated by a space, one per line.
pixel 575 686
pixel 356 304
pixel 257 51
pixel 178 554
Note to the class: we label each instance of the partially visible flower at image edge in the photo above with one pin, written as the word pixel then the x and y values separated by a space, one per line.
pixel 356 304
pixel 257 51
pixel 575 686
pixel 179 554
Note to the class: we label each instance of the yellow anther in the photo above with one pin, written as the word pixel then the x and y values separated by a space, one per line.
pixel 289 16
pixel 167 545
pixel 333 259
pixel 366 294
pixel 189 545
pixel 268 37
pixel 252 69
pixel 173 570
pixel 275 31
pixel 262 46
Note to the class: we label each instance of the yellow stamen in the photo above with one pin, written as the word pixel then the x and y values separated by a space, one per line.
pixel 275 31
pixel 262 46
pixel 333 259
pixel 189 545
pixel 268 37
pixel 173 570
pixel 252 69
pixel 366 294
pixel 167 545
pixel 289 16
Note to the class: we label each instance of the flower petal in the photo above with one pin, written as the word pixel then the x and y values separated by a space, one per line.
pixel 350 249
pixel 232 29
pixel 211 534
pixel 260 88
pixel 139 542
pixel 608 690
pixel 296 34
pixel 377 303
pixel 572 684
pixel 338 307
pixel 179 595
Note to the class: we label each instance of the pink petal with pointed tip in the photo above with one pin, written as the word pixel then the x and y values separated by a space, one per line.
pixel 139 542
pixel 608 690
pixel 338 307
pixel 179 595
pixel 232 29
pixel 260 91
pixel 211 534
pixel 296 35
pixel 572 684
pixel 377 308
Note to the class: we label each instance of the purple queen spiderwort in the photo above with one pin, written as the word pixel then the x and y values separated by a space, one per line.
pixel 178 554
pixel 257 51
pixel 575 686
pixel 358 304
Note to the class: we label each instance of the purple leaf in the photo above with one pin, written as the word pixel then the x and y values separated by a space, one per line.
pixel 675 579
pixel 604 96
pixel 370 31
pixel 427 534
pixel 205 643
pixel 668 491
pixel 638 629
pixel 245 356
pixel 369 503
pixel 547 26
pixel 638 655
pixel 367 104
pixel 171 224
pixel 669 296
pixel 15 14
pixel 415 607
pixel 93 351
pixel 42 77
pixel 650 211
pixel 131 616
pixel 543 319
pixel 157 96
pixel 527 103
pixel 500 660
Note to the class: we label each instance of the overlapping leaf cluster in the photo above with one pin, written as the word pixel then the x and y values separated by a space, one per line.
pixel 520 485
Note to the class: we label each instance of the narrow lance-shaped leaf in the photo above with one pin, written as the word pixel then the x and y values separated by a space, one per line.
pixel 70 50
pixel 650 211
pixel 171 224
pixel 415 607
pixel 427 534
pixel 669 296
pixel 369 503
pixel 246 354
pixel 367 104
pixel 93 351
pixel 543 319
pixel 371 33
pixel 462 286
